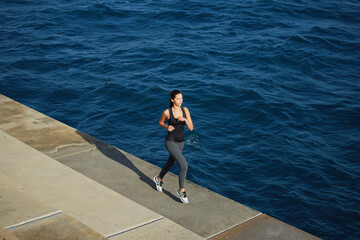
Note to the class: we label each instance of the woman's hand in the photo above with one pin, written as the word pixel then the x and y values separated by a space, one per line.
pixel 181 119
pixel 170 128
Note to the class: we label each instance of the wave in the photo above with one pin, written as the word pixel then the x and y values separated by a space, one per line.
pixel 272 87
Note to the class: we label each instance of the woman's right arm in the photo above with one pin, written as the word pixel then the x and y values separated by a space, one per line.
pixel 165 115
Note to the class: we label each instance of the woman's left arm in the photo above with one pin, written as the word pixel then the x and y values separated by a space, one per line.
pixel 188 120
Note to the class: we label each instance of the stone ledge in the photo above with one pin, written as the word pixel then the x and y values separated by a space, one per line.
pixel 264 227
pixel 61 226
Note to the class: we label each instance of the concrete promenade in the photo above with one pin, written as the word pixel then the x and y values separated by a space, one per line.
pixel 59 183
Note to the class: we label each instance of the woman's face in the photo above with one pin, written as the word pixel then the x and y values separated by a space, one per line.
pixel 178 99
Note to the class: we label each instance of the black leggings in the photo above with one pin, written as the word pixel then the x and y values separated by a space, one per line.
pixel 175 149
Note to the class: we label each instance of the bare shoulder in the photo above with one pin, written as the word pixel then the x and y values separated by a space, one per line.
pixel 186 110
pixel 166 113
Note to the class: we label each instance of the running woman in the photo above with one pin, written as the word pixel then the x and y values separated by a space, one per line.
pixel 176 117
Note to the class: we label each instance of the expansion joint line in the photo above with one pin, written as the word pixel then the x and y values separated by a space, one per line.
pixel 247 220
pixel 133 228
pixel 44 216
pixel 74 153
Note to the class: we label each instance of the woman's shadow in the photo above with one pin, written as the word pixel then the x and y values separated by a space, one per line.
pixel 117 156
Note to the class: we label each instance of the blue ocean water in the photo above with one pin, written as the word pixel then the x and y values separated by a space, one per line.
pixel 272 86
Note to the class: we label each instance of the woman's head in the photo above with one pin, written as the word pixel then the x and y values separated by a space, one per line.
pixel 176 98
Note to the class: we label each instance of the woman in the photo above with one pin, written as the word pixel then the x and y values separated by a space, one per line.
pixel 176 117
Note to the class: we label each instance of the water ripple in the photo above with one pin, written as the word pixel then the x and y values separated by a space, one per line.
pixel 272 87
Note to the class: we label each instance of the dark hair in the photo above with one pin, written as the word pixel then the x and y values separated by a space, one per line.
pixel 172 96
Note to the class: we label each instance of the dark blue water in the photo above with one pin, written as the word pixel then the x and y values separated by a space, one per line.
pixel 272 86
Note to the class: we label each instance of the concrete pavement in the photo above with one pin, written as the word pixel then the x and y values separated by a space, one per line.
pixel 124 176
pixel 47 184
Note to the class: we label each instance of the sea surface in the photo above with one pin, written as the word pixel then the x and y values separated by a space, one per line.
pixel 272 86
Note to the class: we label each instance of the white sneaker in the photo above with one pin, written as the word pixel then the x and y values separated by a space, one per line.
pixel 183 196
pixel 158 184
